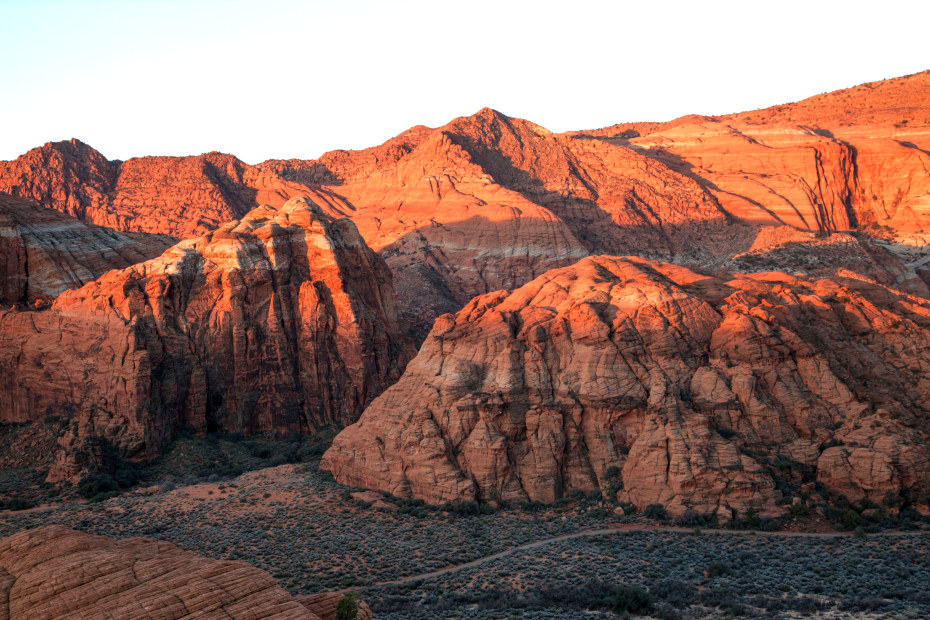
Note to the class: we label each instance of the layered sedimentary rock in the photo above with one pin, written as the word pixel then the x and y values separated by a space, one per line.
pixel 179 196
pixel 56 572
pixel 44 252
pixel 282 321
pixel 488 201
pixel 783 248
pixel 325 605
pixel 697 392
pixel 851 158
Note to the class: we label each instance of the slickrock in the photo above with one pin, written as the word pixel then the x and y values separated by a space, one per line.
pixel 44 252
pixel 55 572
pixel 282 321
pixel 697 392
pixel 324 605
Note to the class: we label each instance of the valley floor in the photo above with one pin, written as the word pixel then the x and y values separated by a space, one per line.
pixel 576 561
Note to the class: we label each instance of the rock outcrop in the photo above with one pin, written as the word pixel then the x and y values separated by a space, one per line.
pixel 325 605
pixel 44 252
pixel 658 384
pixel 488 201
pixel 282 321
pixel 56 572
pixel 179 196
pixel 851 158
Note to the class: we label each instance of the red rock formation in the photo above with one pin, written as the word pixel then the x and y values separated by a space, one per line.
pixel 283 321
pixel 56 572
pixel 832 162
pixel 693 386
pixel 325 605
pixel 488 202
pixel 44 252
pixel 180 196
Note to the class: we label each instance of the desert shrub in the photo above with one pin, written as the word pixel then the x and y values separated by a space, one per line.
pixel 629 599
pixel 798 510
pixel 850 519
pixel 16 503
pixel 718 569
pixel 612 472
pixel 95 484
pixel 674 592
pixel 690 518
pixel 628 508
pixel 535 506
pixel 656 512
pixel 468 509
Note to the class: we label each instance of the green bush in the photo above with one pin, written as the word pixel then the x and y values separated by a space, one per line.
pixel 718 569
pixel 347 607
pixel 630 599
pixel 95 484
pixel 656 512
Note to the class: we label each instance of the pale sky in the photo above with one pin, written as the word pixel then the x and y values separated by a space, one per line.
pixel 280 79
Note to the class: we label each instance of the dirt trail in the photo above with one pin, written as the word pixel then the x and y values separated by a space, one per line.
pixel 610 530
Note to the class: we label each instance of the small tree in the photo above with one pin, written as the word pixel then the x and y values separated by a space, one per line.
pixel 347 608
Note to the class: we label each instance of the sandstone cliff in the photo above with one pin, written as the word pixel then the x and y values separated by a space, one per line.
pixel 56 572
pixel 282 321
pixel 706 393
pixel 44 252
pixel 488 201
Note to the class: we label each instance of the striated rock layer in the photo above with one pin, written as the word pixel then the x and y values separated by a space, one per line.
pixel 282 321
pixel 44 252
pixel 488 201
pixel 180 196
pixel 55 572
pixel 706 393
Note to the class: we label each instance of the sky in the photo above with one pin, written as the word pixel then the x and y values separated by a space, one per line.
pixel 281 79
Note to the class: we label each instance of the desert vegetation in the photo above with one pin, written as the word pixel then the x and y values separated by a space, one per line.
pixel 315 535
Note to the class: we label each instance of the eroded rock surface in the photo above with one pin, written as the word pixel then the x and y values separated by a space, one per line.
pixel 44 252
pixel 697 392
pixel 282 321
pixel 488 201
pixel 56 572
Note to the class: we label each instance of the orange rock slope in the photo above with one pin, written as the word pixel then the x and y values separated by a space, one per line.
pixel 854 157
pixel 488 202
pixel 283 321
pixel 56 572
pixel 179 196
pixel 44 252
pixel 697 392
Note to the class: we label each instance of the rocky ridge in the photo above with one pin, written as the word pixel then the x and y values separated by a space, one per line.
pixel 488 201
pixel 56 572
pixel 44 252
pixel 653 383
pixel 282 321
